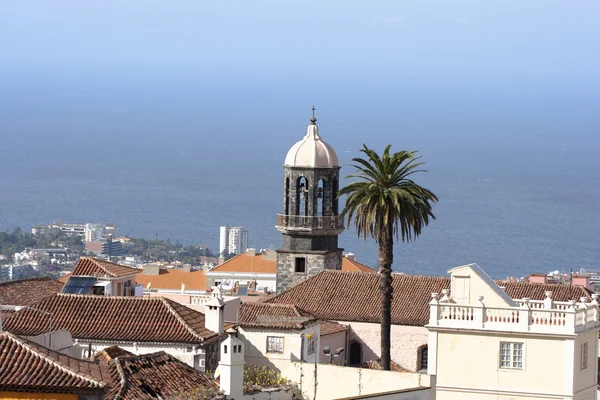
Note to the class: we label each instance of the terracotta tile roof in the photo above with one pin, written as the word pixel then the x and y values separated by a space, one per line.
pixel 64 278
pixel 352 296
pixel 247 263
pixel 113 319
pixel 112 352
pixel 280 316
pixel 257 263
pixel 331 327
pixel 536 291
pixel 171 279
pixel 28 367
pixel 88 266
pixel 354 266
pixel 149 376
pixel 28 291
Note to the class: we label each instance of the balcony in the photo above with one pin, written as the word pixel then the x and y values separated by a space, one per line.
pixel 301 222
pixel 528 316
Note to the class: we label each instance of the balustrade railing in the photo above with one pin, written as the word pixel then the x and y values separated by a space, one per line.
pixel 529 316
pixel 309 222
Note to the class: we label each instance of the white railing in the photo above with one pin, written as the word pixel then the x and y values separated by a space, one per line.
pixel 527 316
pixel 199 300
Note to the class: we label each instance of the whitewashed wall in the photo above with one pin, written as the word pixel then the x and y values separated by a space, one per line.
pixel 337 382
pixel 406 341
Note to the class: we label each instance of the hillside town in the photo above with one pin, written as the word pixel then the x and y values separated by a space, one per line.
pixel 299 322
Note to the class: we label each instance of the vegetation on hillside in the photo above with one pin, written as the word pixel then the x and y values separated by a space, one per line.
pixel 16 241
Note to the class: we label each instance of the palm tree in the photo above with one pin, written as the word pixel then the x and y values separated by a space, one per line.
pixel 386 204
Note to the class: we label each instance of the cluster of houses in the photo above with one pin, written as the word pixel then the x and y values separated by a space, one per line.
pixel 110 331
pixel 457 336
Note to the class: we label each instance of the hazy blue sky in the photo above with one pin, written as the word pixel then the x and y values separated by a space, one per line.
pixel 299 40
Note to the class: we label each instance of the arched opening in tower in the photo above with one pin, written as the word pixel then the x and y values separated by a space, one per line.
pixel 320 198
pixel 302 196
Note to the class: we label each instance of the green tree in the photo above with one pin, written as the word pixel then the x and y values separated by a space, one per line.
pixel 386 204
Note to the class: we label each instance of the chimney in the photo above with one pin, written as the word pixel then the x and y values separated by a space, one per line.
pixel 584 281
pixel 251 252
pixel 151 269
pixel 350 256
pixel 538 278
pixel 187 268
pixel 214 310
pixel 205 268
pixel 270 255
pixel 232 366
pixel 221 260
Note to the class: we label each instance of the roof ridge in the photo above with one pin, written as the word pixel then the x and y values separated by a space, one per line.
pixel 32 350
pixel 124 382
pixel 167 302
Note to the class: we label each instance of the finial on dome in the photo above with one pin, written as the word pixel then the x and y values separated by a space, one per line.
pixel 313 119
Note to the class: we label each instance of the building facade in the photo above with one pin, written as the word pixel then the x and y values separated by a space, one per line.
pixel 310 222
pixel 485 345
pixel 233 239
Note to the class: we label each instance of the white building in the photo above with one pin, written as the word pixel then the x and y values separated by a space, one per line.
pixel 92 232
pixel 233 239
pixel 485 345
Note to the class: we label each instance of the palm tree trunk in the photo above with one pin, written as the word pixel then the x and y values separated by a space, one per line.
pixel 386 255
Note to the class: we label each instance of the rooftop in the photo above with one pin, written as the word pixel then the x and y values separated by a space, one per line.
pixel 28 291
pixel 172 279
pixel 88 266
pixel 157 375
pixel 246 263
pixel 281 316
pixel 28 367
pixel 352 296
pixel 112 352
pixel 113 319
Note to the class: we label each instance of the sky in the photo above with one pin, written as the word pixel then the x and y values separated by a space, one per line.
pixel 300 42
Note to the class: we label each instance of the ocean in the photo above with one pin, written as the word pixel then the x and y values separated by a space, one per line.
pixel 513 162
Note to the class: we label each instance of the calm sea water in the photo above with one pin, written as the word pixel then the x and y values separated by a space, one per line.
pixel 515 165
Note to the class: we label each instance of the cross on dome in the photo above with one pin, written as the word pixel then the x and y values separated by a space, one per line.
pixel 312 151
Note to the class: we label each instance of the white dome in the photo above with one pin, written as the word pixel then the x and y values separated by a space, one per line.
pixel 312 151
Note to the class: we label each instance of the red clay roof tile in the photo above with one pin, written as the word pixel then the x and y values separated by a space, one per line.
pixel 157 374
pixel 352 296
pixel 28 367
pixel 28 291
pixel 88 266
pixel 281 316
pixel 112 318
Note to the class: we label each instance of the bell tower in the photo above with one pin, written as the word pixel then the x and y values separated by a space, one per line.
pixel 310 222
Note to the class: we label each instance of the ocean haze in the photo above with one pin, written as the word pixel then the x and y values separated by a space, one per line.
pixel 175 119
pixel 516 170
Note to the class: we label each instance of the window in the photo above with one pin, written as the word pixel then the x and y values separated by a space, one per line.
pixel 584 355
pixel 511 355
pixel 423 358
pixel 274 344
pixel 300 265
pixel 311 345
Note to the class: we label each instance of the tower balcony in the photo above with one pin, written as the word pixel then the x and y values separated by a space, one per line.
pixel 300 223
